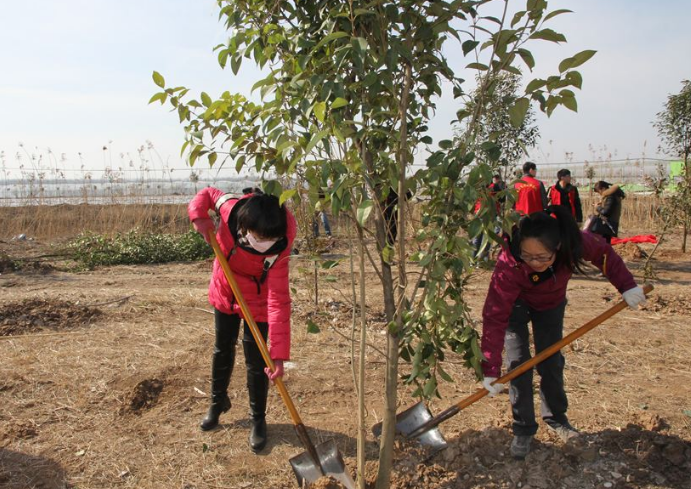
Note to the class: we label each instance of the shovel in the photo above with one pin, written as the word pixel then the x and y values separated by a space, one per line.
pixel 418 422
pixel 317 462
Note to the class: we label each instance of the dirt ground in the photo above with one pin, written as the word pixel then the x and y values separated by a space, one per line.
pixel 104 377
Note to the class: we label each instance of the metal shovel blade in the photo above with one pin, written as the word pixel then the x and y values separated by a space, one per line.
pixel 410 420
pixel 331 461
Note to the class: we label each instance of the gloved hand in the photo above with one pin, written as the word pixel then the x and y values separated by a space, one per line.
pixel 634 297
pixel 278 371
pixel 203 226
pixel 493 389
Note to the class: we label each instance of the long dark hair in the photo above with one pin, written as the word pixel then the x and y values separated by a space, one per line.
pixel 262 214
pixel 556 229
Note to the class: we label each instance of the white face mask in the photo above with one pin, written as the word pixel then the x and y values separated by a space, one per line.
pixel 262 246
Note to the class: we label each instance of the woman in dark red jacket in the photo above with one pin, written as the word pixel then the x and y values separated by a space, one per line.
pixel 529 285
pixel 256 234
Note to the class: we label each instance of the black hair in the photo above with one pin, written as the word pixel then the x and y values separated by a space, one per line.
pixel 251 190
pixel 602 185
pixel 527 166
pixel 262 214
pixel 563 173
pixel 497 176
pixel 556 229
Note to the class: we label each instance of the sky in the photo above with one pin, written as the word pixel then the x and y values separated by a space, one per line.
pixel 75 78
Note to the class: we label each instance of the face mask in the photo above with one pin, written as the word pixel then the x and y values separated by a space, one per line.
pixel 261 246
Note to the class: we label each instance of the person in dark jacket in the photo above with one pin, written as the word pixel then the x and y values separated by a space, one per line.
pixel 528 285
pixel 563 193
pixel 532 196
pixel 256 234
pixel 609 209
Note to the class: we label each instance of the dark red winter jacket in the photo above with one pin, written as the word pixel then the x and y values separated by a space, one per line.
pixel 532 196
pixel 511 281
pixel 269 300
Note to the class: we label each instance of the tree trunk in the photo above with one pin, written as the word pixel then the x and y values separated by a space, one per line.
pixel 392 338
pixel 362 433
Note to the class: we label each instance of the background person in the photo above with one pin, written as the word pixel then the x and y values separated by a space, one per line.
pixel 529 286
pixel 532 196
pixel 608 210
pixel 563 193
pixel 256 234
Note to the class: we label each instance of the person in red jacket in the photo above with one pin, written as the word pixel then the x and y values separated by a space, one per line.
pixel 532 196
pixel 256 234
pixel 563 193
pixel 529 286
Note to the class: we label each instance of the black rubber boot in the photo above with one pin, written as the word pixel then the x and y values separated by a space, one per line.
pixel 258 389
pixel 221 370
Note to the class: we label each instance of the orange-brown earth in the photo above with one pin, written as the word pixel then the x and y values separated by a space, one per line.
pixel 104 379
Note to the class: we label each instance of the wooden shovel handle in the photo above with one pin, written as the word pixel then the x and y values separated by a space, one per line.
pixel 525 366
pixel 258 338
pixel 551 350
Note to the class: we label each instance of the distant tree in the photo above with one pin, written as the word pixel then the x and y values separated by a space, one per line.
pixel 500 122
pixel 673 125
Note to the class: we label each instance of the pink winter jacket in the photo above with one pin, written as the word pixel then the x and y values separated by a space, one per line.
pixel 511 281
pixel 269 301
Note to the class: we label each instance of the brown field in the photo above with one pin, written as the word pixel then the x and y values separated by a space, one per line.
pixel 104 379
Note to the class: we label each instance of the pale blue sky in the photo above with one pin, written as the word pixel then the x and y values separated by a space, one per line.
pixel 76 75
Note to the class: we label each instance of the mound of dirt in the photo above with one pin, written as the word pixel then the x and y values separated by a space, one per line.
pixel 32 315
pixel 20 430
pixel 632 457
pixel 326 483
pixel 676 304
pixel 630 251
pixel 144 396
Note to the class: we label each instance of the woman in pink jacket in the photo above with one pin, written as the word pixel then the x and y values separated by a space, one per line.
pixel 528 285
pixel 256 234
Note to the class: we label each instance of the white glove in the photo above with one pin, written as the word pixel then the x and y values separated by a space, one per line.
pixel 634 297
pixel 493 389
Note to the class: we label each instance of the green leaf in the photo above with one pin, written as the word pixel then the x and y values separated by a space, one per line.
pixel 329 264
pixel 576 60
pixel 430 387
pixel 518 111
pixel 286 195
pixel 477 66
pixel 235 63
pixel 212 158
pixel 162 96
pixel 570 103
pixel 527 57
pixel 548 35
pixel 315 139
pixel 535 85
pixel 388 254
pixel 338 103
pixel 445 144
pixel 363 211
pixel 574 78
pixel 158 79
pixel 312 328
pixel 557 12
pixel 320 111
pixel 687 412
pixel 329 38
pixel 206 100
pixel 469 45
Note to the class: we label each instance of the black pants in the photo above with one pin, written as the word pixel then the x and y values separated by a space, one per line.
pixel 548 328
pixel 227 332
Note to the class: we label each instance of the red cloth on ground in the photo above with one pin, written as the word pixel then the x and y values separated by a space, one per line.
pixel 641 238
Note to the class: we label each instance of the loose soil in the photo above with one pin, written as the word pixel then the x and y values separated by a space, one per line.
pixel 104 377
